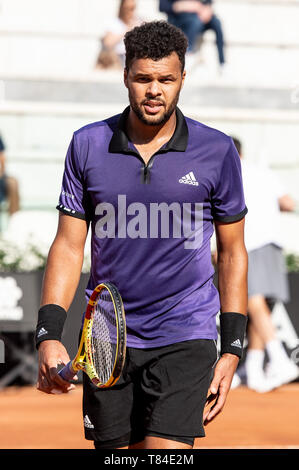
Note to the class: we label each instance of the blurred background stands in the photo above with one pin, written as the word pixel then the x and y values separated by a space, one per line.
pixel 49 86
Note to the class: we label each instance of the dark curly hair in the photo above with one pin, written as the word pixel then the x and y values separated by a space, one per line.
pixel 155 40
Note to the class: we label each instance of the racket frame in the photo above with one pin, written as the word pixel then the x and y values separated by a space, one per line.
pixel 83 360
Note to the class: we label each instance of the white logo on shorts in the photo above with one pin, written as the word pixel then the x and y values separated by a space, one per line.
pixel 88 423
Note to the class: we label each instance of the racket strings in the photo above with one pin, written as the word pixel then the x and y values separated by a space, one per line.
pixel 104 337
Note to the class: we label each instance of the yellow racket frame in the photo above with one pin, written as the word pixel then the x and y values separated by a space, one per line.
pixel 83 360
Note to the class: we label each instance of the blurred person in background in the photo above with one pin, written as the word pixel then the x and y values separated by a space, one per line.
pixel 112 54
pixel 194 17
pixel 267 277
pixel 9 189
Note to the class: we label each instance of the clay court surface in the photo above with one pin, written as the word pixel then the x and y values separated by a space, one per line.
pixel 32 420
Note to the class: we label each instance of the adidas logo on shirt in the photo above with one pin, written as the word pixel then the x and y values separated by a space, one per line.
pixel 237 344
pixel 88 423
pixel 42 332
pixel 189 179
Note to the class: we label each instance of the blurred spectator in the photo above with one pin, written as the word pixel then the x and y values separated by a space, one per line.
pixel 194 17
pixel 8 185
pixel 267 277
pixel 112 53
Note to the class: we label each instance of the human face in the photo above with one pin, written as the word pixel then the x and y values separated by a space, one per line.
pixel 154 88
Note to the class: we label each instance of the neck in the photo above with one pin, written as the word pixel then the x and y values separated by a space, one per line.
pixel 141 133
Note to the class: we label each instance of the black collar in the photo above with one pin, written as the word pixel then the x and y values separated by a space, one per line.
pixel 120 143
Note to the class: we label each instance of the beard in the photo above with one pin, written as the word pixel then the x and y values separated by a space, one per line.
pixel 153 120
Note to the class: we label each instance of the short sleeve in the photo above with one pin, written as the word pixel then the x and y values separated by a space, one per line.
pixel 73 198
pixel 228 204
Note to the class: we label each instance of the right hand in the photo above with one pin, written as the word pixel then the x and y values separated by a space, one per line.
pixel 50 354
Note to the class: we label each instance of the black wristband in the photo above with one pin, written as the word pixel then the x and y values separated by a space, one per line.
pixel 50 323
pixel 232 332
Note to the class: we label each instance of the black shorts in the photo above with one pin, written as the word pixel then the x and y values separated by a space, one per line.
pixel 161 392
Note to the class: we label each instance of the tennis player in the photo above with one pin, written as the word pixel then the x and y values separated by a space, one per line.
pixel 152 184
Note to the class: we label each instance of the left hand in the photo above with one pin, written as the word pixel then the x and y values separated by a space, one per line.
pixel 219 388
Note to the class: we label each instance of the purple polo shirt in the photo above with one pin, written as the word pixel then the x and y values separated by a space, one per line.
pixel 152 223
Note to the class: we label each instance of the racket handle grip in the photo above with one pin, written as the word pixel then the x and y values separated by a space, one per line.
pixel 68 372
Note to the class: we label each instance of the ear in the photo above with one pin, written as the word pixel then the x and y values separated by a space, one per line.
pixel 126 78
pixel 183 78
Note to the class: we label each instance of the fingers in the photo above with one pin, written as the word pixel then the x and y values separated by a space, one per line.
pixel 214 387
pixel 49 379
pixel 56 379
pixel 220 385
pixel 51 354
pixel 54 385
pixel 59 391
pixel 219 389
pixel 210 399
pixel 221 396
pixel 43 384
pixel 216 408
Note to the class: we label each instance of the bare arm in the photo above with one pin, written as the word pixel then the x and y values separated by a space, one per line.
pixel 232 266
pixel 65 261
pixel 232 283
pixel 60 282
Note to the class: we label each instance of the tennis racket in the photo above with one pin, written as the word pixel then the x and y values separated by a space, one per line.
pixel 102 349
